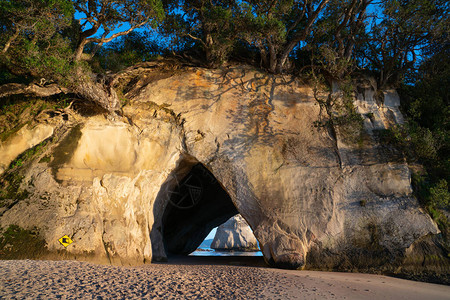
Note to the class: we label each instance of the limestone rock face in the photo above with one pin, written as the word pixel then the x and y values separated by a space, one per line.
pixel 235 234
pixel 25 138
pixel 124 188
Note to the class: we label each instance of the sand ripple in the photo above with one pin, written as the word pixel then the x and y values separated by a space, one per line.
pixel 28 279
pixel 79 280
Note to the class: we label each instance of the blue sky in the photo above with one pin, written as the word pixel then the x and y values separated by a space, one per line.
pixel 211 234
pixel 79 16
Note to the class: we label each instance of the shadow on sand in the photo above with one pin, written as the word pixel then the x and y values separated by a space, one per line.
pixel 250 261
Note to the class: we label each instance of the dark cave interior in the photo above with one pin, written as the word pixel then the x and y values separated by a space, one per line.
pixel 197 204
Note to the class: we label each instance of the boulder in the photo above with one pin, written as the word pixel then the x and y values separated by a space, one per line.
pixel 234 235
pixel 195 146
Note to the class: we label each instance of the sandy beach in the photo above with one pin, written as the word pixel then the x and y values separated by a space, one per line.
pixel 198 278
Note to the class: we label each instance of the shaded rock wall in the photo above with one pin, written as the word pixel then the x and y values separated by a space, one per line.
pixel 300 190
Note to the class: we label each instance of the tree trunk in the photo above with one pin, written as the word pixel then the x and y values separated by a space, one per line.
pixel 300 36
pixel 10 40
pixel 101 93
pixel 79 52
pixel 281 62
pixel 264 61
pixel 210 55
pixel 272 59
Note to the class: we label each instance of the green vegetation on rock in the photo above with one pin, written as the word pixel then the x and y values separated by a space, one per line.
pixel 11 180
pixel 29 154
pixel 425 137
pixel 19 243
pixel 18 111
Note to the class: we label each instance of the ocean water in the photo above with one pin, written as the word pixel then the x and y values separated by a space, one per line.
pixel 206 251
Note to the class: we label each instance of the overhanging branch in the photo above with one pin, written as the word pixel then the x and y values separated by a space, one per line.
pixel 106 40
pixel 11 89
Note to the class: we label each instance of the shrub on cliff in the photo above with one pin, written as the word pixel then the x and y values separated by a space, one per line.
pixel 42 40
pixel 17 243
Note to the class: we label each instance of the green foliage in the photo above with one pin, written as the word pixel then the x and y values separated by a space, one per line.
pixel 53 63
pixel 124 52
pixel 416 143
pixel 419 144
pixel 43 40
pixel 12 179
pixel 211 26
pixel 426 106
pixel 391 45
pixel 29 154
pixel 335 95
pixel 434 197
pixel 425 137
pixel 10 188
pixel 440 197
pixel 337 107
pixel 273 27
pixel 19 243
pixel 112 14
pixel 221 30
pixel 17 111
pixel 109 16
pixel 32 37
pixel 265 28
pixel 7 77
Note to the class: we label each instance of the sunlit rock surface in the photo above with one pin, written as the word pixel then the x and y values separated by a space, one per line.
pixel 114 184
pixel 235 234
pixel 27 137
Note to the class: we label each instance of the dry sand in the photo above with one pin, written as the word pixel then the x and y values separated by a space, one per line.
pixel 197 278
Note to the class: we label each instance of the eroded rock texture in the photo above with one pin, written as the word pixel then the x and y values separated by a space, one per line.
pixel 234 234
pixel 116 185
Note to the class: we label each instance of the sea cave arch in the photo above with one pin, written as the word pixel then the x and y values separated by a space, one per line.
pixel 196 203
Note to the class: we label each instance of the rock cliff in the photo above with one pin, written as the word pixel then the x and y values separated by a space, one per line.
pixel 195 146
pixel 235 234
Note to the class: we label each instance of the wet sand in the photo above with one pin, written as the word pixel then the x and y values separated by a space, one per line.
pixel 199 278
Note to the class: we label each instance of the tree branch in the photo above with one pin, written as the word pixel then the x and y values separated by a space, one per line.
pixel 196 38
pixel 10 40
pixel 106 40
pixel 10 89
pixel 297 21
pixel 300 36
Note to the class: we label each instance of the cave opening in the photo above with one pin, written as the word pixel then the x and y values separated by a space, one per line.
pixel 197 203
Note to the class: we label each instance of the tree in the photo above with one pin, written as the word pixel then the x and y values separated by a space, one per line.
pixel 110 16
pixel 31 35
pixel 43 39
pixel 209 24
pixel 425 136
pixel 125 51
pixel 397 38
pixel 32 20
pixel 276 27
pixel 340 29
